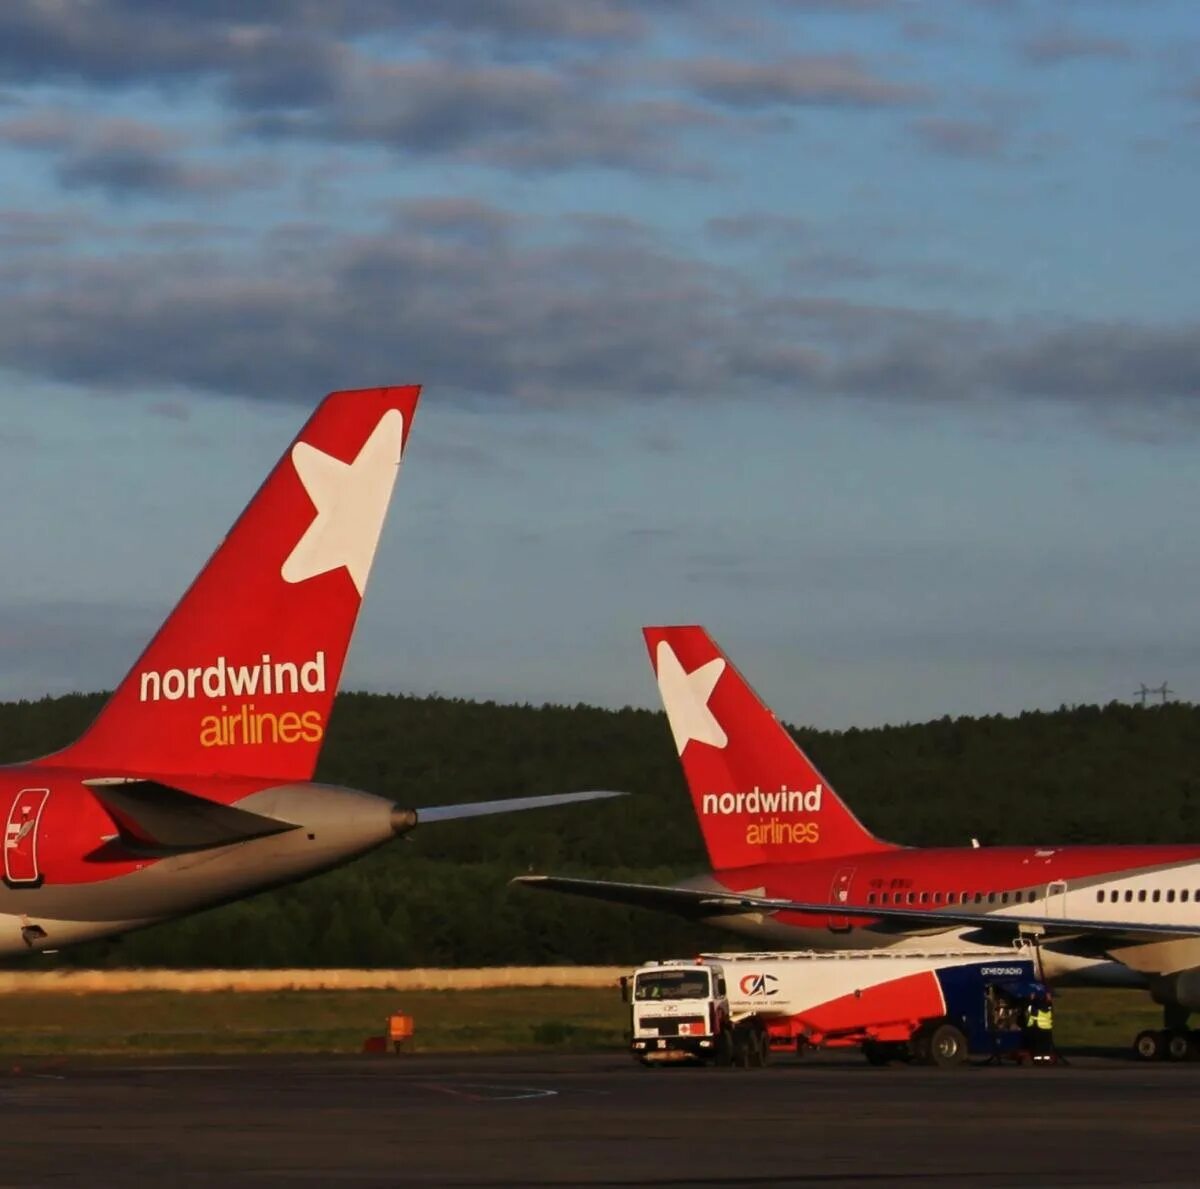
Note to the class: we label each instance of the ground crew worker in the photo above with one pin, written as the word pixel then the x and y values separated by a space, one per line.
pixel 1039 1028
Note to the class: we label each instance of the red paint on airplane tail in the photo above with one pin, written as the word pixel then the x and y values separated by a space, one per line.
pixel 240 679
pixel 757 796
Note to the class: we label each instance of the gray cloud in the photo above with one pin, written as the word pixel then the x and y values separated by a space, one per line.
pixel 801 80
pixel 519 116
pixel 1054 46
pixel 962 138
pixel 473 301
pixel 272 52
pixel 123 157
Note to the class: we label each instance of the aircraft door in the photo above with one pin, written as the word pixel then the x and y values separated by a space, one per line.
pixel 1056 899
pixel 839 894
pixel 21 838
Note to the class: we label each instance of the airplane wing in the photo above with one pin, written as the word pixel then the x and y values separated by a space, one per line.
pixel 446 813
pixel 700 902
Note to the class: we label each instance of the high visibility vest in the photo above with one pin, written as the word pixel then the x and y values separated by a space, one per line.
pixel 1041 1018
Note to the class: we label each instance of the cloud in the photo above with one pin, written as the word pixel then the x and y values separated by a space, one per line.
pixel 801 80
pixel 123 157
pixel 478 303
pixel 1055 46
pixel 519 116
pixel 274 50
pixel 981 139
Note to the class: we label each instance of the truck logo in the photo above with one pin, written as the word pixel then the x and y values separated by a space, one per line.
pixel 758 984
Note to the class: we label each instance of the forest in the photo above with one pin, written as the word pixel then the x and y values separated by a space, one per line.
pixel 1115 773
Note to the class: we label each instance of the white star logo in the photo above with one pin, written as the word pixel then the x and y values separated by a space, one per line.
pixel 685 695
pixel 351 499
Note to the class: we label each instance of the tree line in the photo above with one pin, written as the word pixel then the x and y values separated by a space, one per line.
pixel 1114 773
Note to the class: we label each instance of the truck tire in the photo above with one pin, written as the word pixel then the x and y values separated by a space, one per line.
pixel 875 1053
pixel 756 1048
pixel 947 1046
pixel 724 1050
pixel 743 1042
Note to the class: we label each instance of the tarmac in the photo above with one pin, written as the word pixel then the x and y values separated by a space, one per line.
pixel 592 1121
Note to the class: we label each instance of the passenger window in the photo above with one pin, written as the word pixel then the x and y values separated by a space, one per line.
pixel 870 897
pixel 991 897
pixel 1128 895
pixel 1155 895
pixel 883 897
pixel 1170 895
pixel 911 897
pixel 924 897
pixel 978 897
pixel 1183 895
pixel 1142 896
pixel 937 897
pixel 1100 896
pixel 1003 897
pixel 949 897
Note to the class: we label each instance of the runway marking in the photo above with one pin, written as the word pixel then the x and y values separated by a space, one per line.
pixel 505 1093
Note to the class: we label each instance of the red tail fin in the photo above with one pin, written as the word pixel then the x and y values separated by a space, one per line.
pixel 756 795
pixel 241 677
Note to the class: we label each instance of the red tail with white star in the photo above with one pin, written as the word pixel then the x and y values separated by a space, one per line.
pixel 757 796
pixel 241 677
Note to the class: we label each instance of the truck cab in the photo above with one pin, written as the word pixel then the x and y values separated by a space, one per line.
pixel 679 1011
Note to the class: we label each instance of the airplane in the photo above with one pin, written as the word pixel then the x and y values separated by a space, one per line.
pixel 793 867
pixel 194 784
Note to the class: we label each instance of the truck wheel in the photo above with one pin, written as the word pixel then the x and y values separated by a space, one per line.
pixel 874 1052
pixel 742 1043
pixel 947 1046
pixel 756 1048
pixel 724 1056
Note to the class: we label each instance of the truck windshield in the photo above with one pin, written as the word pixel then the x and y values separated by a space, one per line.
pixel 672 984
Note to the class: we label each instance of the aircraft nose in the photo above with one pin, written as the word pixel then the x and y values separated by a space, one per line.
pixel 402 819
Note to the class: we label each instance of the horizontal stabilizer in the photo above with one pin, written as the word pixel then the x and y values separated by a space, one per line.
pixel 149 814
pixel 687 902
pixel 447 813
pixel 999 927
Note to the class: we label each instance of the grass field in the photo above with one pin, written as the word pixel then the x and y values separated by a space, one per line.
pixel 500 1020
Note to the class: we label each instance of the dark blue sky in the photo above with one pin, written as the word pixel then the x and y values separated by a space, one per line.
pixel 864 333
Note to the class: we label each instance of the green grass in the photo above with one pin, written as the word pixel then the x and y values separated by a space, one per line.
pixel 503 1020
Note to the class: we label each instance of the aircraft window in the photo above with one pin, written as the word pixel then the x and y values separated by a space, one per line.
pixel 1183 895
pixel 883 897
pixel 937 897
pixel 1170 895
pixel 1100 896
pixel 949 897
pixel 1128 895
pixel 870 897
pixel 991 897
pixel 912 897
pixel 978 897
pixel 1003 897
pixel 1156 895
pixel 1142 896
pixel 924 897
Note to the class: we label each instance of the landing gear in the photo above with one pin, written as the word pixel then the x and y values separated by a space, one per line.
pixel 1175 1041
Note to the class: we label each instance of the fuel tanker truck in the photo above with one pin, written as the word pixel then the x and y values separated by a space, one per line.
pixel 925 1008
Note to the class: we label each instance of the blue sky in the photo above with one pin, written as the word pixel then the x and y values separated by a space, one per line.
pixel 864 333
